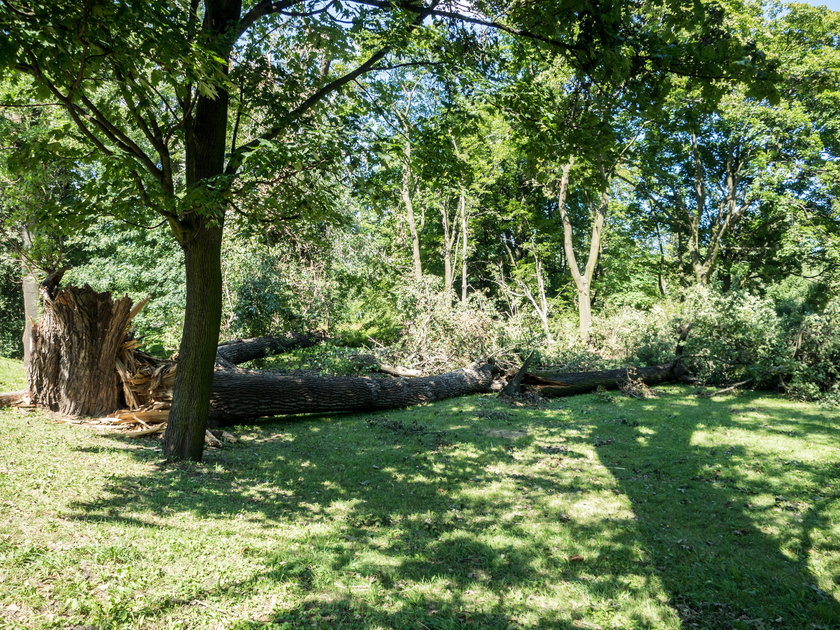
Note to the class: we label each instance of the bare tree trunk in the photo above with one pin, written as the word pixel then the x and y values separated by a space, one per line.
pixel 695 220
pixel 661 282
pixel 540 301
pixel 582 280
pixel 462 200
pixel 448 243
pixel 405 192
pixel 74 353
pixel 30 297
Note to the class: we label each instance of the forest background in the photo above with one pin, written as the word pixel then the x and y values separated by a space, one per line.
pixel 478 196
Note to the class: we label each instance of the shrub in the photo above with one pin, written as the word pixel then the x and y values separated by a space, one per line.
pixel 440 331
pixel 734 336
pixel 816 371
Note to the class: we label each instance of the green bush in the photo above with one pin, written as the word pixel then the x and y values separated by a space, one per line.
pixel 11 308
pixel 268 290
pixel 734 336
pixel 439 331
pixel 816 370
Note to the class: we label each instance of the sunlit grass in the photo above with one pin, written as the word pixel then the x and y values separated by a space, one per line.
pixel 12 377
pixel 595 512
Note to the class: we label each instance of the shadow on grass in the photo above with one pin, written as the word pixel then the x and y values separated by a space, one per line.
pixel 399 523
pixel 398 510
pixel 703 510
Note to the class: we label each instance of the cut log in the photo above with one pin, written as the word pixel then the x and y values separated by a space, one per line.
pixel 553 385
pixel 245 395
pixel 242 350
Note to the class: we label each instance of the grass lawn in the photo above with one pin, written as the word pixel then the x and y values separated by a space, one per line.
pixel 595 512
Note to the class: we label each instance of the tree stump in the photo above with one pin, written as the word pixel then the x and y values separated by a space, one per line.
pixel 75 345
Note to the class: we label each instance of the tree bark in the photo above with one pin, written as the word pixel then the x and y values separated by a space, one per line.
pixel 553 385
pixel 242 350
pixel 30 298
pixel 74 352
pixel 199 233
pixel 417 263
pixel 583 280
pixel 448 244
pixel 184 438
pixel 245 395
pixel 462 203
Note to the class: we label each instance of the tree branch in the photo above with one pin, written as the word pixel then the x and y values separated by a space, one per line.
pixel 239 154
pixel 452 15
pixel 261 9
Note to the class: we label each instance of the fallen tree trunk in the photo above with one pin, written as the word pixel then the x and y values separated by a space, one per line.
pixel 241 395
pixel 13 398
pixel 242 350
pixel 554 385
pixel 83 357
pixel 244 395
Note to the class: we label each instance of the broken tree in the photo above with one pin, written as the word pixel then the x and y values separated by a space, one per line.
pixel 240 395
pixel 75 344
pixel 85 363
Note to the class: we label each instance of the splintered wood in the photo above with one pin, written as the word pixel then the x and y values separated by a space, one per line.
pixel 147 384
pixel 140 423
pixel 145 379
pixel 136 423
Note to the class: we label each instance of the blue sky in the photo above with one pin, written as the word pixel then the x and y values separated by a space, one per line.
pixel 834 5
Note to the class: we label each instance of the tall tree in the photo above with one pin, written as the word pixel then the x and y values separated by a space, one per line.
pixel 150 84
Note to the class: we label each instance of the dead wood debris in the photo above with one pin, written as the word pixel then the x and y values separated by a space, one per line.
pixel 136 423
pixel 634 386
pixel 725 390
pixel 16 399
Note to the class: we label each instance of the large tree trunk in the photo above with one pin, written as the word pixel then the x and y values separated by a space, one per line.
pixel 30 298
pixel 240 395
pixel 553 385
pixel 199 233
pixel 74 351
